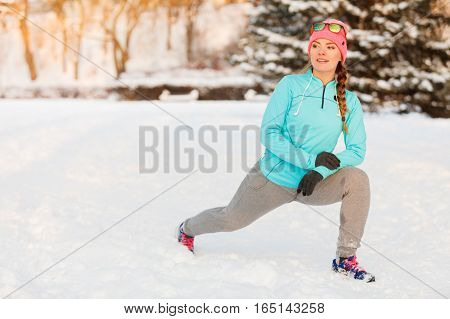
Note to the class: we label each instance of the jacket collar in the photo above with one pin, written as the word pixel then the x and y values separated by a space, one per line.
pixel 316 79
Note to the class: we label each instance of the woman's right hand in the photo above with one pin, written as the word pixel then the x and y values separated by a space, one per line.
pixel 328 160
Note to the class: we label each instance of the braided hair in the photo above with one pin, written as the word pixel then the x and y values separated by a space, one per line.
pixel 342 77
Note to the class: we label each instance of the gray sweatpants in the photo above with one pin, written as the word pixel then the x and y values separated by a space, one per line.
pixel 257 196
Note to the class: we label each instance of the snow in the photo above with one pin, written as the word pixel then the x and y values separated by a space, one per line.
pixel 366 36
pixel 251 95
pixel 354 10
pixel 276 69
pixel 69 171
pixel 199 78
pixel 390 8
pixel 403 68
pixel 383 52
pixel 426 85
pixel 190 77
pixel 191 96
pixel 438 45
pixel 393 27
pixel 382 84
pixel 275 38
pixel 271 57
pixel 288 53
pixel 355 55
pixel 411 30
pixel 407 73
pixel 298 6
pixel 379 20
pixel 365 97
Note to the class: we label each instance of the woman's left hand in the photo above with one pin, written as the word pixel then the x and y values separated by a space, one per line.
pixel 308 183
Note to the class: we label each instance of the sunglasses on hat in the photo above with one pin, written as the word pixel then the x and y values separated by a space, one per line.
pixel 333 27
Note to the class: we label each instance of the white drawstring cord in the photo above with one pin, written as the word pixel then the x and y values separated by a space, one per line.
pixel 298 109
pixel 304 92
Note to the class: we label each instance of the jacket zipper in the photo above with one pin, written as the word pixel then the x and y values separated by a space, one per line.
pixel 323 93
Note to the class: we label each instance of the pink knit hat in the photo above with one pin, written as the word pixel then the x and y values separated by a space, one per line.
pixel 338 38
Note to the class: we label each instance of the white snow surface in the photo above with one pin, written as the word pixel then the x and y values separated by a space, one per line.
pixel 70 171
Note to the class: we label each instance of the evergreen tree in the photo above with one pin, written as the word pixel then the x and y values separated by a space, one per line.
pixel 397 53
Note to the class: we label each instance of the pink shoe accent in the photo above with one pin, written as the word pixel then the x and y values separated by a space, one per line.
pixel 351 264
pixel 185 240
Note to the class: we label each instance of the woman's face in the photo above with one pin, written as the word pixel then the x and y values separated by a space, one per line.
pixel 324 49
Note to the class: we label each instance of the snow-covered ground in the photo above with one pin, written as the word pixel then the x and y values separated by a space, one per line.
pixel 70 170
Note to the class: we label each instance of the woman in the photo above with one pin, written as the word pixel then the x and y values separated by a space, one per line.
pixel 301 125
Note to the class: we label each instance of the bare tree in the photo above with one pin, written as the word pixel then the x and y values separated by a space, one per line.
pixel 124 13
pixel 79 31
pixel 58 7
pixel 172 15
pixel 20 10
pixel 191 9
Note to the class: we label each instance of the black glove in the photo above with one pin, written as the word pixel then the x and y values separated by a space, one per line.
pixel 308 183
pixel 328 160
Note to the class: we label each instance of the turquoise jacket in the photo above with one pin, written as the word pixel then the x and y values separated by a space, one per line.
pixel 301 120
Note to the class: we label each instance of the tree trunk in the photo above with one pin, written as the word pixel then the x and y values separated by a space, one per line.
pixel 61 16
pixel 189 32
pixel 169 28
pixel 26 42
pixel 79 38
pixel 191 13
